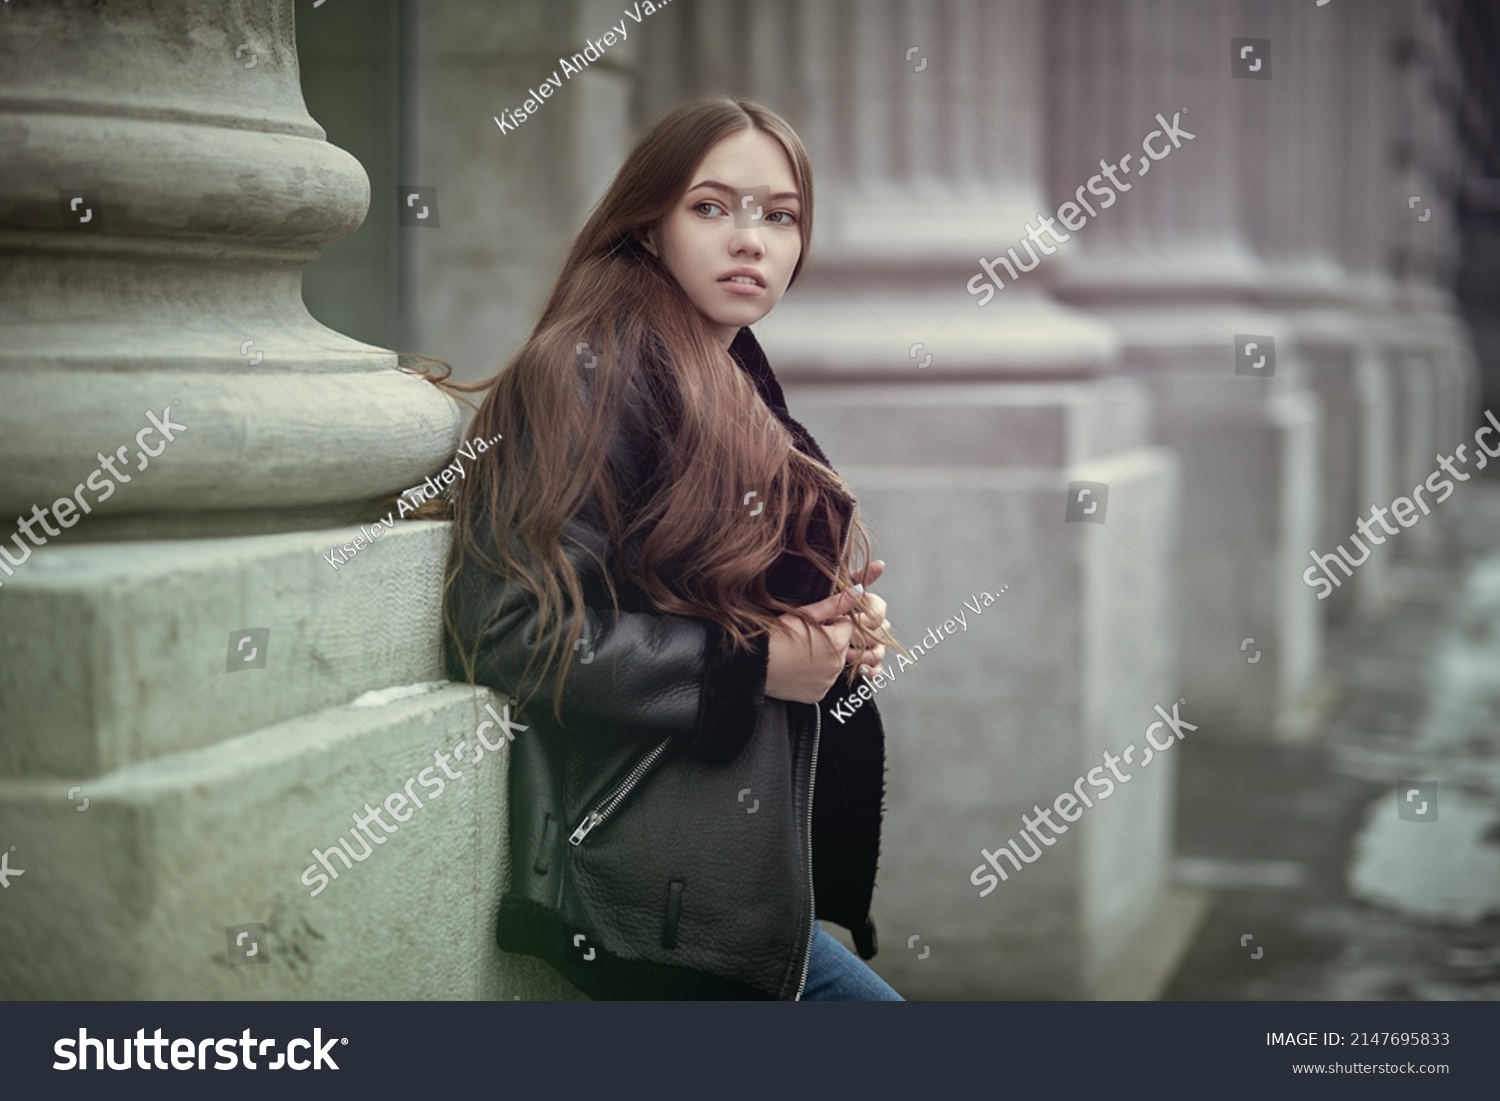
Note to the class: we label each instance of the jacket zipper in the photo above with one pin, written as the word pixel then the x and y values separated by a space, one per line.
pixel 606 806
pixel 812 780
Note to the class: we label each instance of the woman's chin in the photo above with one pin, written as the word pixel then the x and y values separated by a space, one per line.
pixel 741 315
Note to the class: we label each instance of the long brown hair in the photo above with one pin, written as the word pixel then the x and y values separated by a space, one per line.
pixel 616 309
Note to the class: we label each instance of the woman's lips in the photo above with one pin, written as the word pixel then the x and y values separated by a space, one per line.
pixel 740 285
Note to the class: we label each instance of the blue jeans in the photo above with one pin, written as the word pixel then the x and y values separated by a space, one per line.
pixel 836 974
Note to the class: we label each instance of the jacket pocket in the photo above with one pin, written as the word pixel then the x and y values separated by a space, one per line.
pixel 543 859
pixel 607 805
pixel 674 911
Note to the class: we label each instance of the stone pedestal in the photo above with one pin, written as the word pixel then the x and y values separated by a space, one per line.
pixel 1353 383
pixel 1170 267
pixel 191 698
pixel 964 483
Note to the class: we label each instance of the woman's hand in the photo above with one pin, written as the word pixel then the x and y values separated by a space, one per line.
pixel 804 666
pixel 872 618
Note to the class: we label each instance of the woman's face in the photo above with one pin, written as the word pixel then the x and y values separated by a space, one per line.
pixel 734 273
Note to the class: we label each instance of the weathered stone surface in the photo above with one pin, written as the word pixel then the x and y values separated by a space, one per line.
pixel 208 189
pixel 118 652
pixel 130 898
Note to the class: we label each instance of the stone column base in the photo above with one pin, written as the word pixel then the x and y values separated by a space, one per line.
pixel 1010 710
pixel 173 788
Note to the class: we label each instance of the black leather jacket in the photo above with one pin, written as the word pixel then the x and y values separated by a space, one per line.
pixel 674 840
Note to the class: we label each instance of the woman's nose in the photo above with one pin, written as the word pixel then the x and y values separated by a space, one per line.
pixel 747 241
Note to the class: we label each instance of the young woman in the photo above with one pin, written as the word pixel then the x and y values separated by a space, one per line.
pixel 661 553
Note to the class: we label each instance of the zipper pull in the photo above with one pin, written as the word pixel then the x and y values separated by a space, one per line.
pixel 584 828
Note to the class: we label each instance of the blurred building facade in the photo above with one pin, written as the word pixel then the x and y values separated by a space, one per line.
pixel 1268 201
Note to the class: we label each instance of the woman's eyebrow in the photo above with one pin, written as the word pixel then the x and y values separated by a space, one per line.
pixel 731 191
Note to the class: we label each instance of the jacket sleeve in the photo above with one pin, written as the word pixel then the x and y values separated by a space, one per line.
pixel 639 675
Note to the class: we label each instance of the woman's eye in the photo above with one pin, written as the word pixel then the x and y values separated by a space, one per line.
pixel 713 206
pixel 791 219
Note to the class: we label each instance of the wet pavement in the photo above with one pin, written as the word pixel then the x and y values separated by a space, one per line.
pixel 1364 861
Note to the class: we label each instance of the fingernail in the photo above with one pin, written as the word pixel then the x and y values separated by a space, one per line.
pixel 858 590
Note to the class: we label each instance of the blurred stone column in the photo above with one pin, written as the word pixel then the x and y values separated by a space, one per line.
pixel 962 422
pixel 1170 268
pixel 192 698
pixel 513 193
pixel 1360 434
pixel 1303 162
pixel 1438 370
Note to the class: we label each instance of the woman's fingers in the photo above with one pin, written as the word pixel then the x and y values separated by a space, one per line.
pixel 839 613
pixel 871 617
pixel 870 573
pixel 871 614
pixel 870 659
pixel 838 605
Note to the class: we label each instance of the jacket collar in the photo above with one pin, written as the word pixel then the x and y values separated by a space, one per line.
pixel 746 351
